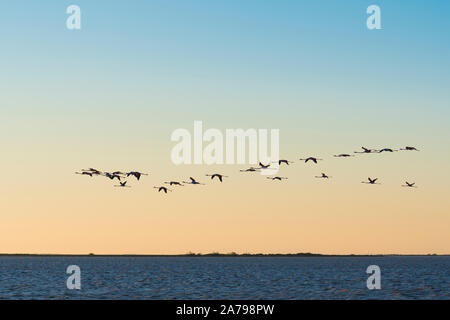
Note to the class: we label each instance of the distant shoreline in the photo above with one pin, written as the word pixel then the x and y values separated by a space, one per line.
pixel 231 255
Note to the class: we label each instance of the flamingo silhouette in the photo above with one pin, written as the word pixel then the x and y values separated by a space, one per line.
pixel 284 161
pixel 251 169
pixel 386 150
pixel 276 178
pixel 176 183
pixel 264 167
pixel 112 176
pixel 122 185
pixel 86 173
pixel 410 149
pixel 313 159
pixel 193 181
pixel 410 185
pixel 162 188
pixel 371 181
pixel 343 155
pixel 219 176
pixel 323 176
pixel 365 150
pixel 93 171
pixel 136 174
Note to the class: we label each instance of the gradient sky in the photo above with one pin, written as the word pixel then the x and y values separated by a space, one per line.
pixel 109 96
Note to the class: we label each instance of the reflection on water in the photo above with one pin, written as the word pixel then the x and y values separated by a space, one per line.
pixel 225 277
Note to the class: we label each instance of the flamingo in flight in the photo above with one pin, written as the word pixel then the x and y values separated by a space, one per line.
pixel 136 174
pixel 276 178
pixel 162 188
pixel 251 169
pixel 313 159
pixel 112 176
pixel 92 171
pixel 86 173
pixel 409 185
pixel 324 176
pixel 409 149
pixel 371 181
pixel 122 185
pixel 343 155
pixel 365 150
pixel 193 181
pixel 284 161
pixel 219 176
pixel 264 167
pixel 386 150
pixel 176 183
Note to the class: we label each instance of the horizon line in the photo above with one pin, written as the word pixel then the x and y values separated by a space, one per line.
pixel 218 254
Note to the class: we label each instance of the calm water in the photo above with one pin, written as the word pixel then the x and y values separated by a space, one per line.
pixel 224 278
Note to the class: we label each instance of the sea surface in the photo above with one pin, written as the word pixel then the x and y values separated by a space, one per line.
pixel 402 277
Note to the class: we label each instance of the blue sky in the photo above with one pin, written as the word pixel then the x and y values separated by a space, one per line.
pixel 227 61
pixel 111 94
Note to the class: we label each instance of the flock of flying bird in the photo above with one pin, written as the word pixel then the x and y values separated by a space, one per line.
pixel 119 175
